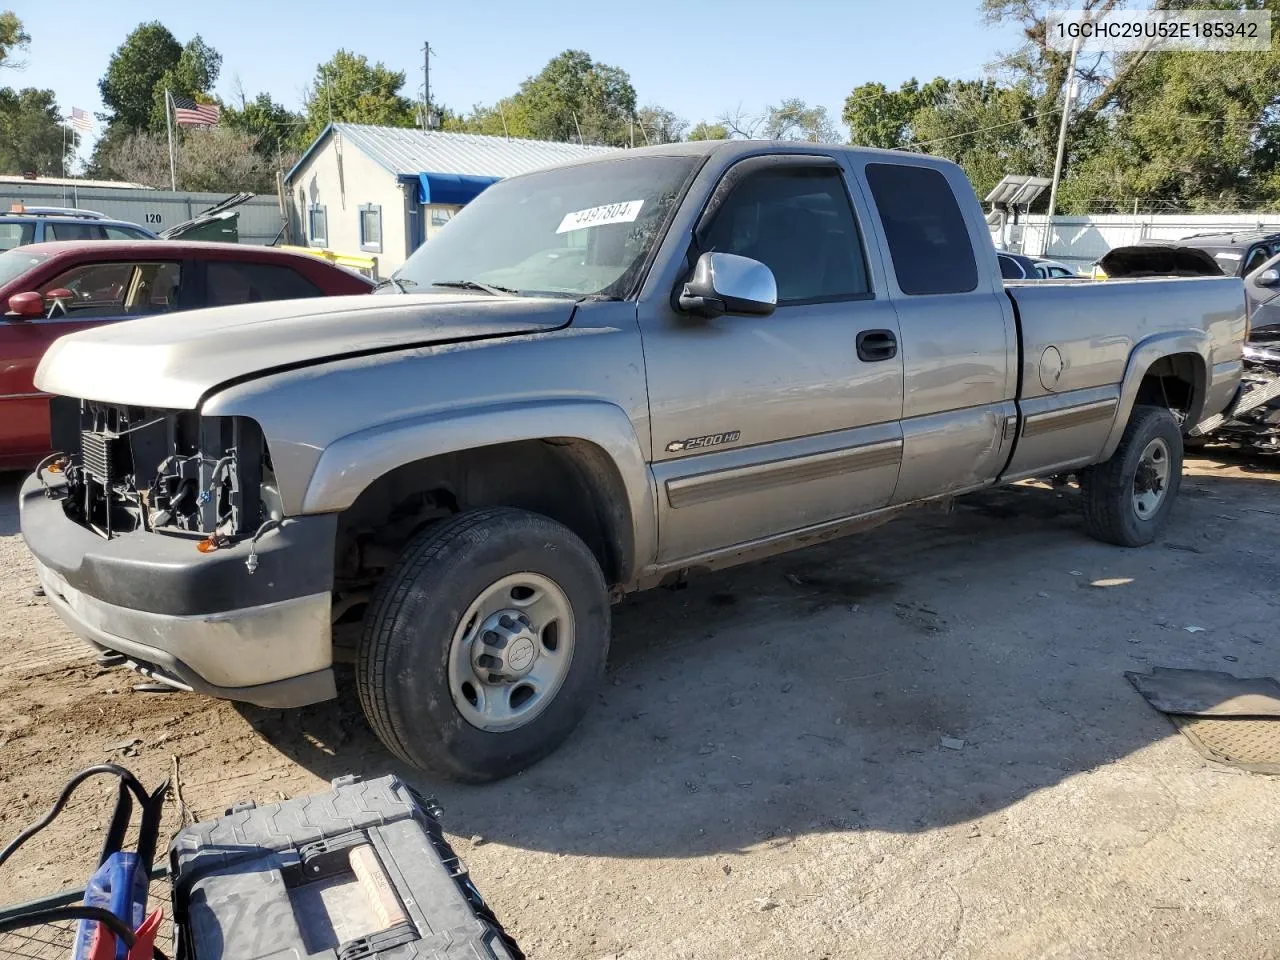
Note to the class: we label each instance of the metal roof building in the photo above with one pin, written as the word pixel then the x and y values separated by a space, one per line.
pixel 383 191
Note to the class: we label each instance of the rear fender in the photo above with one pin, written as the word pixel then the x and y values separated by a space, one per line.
pixel 1141 359
pixel 351 463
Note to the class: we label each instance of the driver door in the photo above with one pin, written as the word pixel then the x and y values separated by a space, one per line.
pixel 766 425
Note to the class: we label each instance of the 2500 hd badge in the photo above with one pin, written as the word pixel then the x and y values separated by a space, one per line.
pixel 711 440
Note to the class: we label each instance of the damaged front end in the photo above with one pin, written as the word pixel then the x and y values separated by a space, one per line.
pixel 133 469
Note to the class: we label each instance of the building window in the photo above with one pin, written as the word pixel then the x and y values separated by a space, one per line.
pixel 440 216
pixel 318 219
pixel 371 227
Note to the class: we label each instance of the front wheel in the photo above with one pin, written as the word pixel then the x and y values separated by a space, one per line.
pixel 484 644
pixel 1128 498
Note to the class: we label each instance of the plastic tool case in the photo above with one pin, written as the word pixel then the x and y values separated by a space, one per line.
pixel 362 871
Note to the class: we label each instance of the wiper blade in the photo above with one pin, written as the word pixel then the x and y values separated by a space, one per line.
pixel 488 288
pixel 400 283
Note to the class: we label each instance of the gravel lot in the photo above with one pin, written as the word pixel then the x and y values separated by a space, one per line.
pixel 764 774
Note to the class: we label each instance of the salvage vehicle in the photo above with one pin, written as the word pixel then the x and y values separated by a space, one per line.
pixel 52 289
pixel 603 377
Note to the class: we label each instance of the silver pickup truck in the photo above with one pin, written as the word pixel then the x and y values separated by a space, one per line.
pixel 599 378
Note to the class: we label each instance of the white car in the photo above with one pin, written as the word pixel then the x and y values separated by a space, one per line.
pixel 1052 269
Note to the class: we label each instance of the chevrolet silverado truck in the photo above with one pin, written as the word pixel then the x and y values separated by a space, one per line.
pixel 599 378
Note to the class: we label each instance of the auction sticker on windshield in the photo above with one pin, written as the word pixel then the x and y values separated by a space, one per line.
pixel 623 212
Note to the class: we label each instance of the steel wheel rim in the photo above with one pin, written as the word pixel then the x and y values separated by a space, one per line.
pixel 1151 479
pixel 510 652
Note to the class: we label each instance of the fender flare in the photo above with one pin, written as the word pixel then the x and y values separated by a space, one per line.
pixel 349 464
pixel 1141 358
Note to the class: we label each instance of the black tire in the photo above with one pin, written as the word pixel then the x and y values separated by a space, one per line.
pixel 402 660
pixel 1107 489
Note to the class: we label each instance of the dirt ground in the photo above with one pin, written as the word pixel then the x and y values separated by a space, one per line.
pixel 764 774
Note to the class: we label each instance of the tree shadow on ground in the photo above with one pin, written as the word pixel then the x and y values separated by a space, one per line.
pixel 814 691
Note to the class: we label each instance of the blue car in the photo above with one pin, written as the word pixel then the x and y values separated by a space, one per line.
pixel 23 225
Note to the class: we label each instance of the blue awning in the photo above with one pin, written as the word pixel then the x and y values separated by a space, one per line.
pixel 457 188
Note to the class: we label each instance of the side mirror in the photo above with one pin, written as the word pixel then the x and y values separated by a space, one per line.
pixel 727 283
pixel 1269 278
pixel 26 305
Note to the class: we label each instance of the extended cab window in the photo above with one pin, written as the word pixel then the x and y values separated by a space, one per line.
pixel 799 223
pixel 230 283
pixel 928 241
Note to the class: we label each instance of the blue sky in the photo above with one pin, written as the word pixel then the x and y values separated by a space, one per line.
pixel 696 57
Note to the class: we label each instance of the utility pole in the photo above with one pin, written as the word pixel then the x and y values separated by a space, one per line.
pixel 1062 142
pixel 426 86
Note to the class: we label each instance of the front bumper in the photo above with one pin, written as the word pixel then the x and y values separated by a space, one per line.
pixel 195 621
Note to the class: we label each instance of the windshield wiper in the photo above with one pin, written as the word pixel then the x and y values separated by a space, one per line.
pixel 488 288
pixel 400 283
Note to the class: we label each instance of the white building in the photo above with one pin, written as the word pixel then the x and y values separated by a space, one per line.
pixel 382 191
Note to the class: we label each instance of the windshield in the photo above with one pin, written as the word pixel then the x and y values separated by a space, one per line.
pixel 570 231
pixel 14 263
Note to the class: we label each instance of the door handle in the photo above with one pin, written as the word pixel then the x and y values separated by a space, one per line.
pixel 874 345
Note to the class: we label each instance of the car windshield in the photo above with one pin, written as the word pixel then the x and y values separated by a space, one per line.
pixel 570 231
pixel 14 263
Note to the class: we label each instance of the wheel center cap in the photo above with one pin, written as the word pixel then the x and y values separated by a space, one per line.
pixel 506 647
pixel 520 656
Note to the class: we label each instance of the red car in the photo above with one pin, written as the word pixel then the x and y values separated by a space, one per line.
pixel 52 289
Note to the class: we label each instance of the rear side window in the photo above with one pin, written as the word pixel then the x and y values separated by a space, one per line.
pixel 800 224
pixel 230 283
pixel 75 231
pixel 16 234
pixel 125 233
pixel 928 241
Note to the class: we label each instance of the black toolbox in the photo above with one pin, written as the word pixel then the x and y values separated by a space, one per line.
pixel 362 871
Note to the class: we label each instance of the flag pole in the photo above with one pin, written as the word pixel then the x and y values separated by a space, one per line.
pixel 168 125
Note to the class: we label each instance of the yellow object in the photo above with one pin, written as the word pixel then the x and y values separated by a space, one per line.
pixel 366 265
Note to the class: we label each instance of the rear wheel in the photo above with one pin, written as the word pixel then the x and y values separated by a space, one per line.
pixel 484 644
pixel 1128 498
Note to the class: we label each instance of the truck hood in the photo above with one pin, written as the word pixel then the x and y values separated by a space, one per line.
pixel 173 360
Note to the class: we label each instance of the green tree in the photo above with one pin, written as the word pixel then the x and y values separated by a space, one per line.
pixel 657 125
pixel 32 137
pixel 983 126
pixel 709 131
pixel 880 117
pixel 192 76
pixel 348 89
pixel 573 98
pixel 12 37
pixel 792 119
pixel 135 71
pixel 1190 131
pixel 276 130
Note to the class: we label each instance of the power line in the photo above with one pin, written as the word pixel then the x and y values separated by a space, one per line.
pixel 994 126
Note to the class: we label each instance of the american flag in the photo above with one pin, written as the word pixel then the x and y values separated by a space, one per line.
pixel 188 113
pixel 81 120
